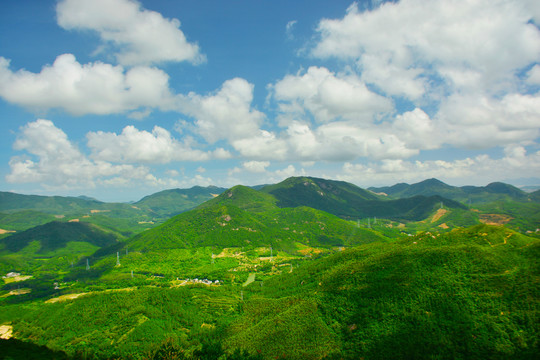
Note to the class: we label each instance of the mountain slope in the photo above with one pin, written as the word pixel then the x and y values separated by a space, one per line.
pixel 242 217
pixel 471 293
pixel 349 201
pixel 55 235
pixel 174 201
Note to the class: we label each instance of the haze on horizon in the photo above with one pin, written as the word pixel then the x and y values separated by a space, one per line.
pixel 118 99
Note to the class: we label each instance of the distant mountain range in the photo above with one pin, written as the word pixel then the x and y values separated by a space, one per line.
pixel 21 212
pixel 167 203
pixel 401 202
pixel 466 194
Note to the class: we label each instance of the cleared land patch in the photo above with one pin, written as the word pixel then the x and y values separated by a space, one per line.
pixel 495 219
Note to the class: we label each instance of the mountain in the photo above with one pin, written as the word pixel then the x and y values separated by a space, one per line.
pixel 174 201
pixel 25 219
pixel 466 294
pixel 349 201
pixel 22 212
pixel 242 216
pixel 49 204
pixel 535 196
pixel 56 235
pixel 467 194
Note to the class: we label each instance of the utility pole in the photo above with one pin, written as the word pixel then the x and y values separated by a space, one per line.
pixel 87 264
pixel 118 258
pixel 368 223
pixel 132 274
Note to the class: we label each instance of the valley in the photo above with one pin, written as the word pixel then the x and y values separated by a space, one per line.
pixel 304 269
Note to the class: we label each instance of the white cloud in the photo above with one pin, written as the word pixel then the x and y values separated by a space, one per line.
pixel 328 96
pixel 417 130
pixel 256 166
pixel 56 162
pixel 288 172
pixel 138 36
pixel 289 29
pixel 94 88
pixel 226 114
pixel 481 169
pixel 264 145
pixel 533 76
pixel 399 46
pixel 133 146
pixel 476 121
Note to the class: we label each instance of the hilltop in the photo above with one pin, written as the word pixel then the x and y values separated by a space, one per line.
pixel 349 201
pixel 242 217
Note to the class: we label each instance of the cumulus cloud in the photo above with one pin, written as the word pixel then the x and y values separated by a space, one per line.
pixel 56 161
pixel 138 36
pixel 256 166
pixel 133 146
pixel 399 46
pixel 225 114
pixel 94 88
pixel 477 121
pixel 328 96
pixel 471 63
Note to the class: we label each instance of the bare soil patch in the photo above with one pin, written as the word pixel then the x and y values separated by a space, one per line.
pixel 439 214
pixel 495 219
pixel 6 332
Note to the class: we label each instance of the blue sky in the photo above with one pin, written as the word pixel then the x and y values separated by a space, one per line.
pixel 118 99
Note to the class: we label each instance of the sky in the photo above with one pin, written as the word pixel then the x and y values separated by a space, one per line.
pixel 118 99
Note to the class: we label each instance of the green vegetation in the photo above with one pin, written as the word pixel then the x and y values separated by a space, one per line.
pixel 348 201
pixel 466 194
pixel 242 276
pixel 168 203
pixel 257 222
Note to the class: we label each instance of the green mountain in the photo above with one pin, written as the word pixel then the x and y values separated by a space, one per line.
pixel 349 201
pixel 22 212
pixel 535 196
pixel 471 293
pixel 25 219
pixel 467 294
pixel 10 202
pixel 56 235
pixel 171 202
pixel 244 217
pixel 467 194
